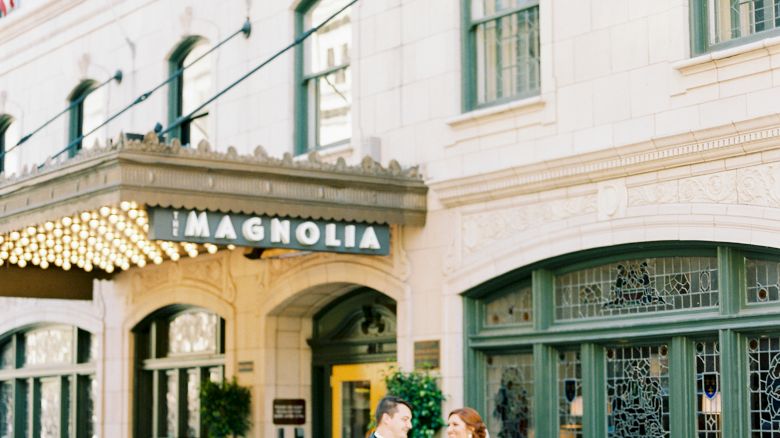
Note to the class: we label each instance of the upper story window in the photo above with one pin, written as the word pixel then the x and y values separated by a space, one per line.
pixel 189 89
pixel 87 112
pixel 719 24
pixel 501 61
pixel 5 142
pixel 324 102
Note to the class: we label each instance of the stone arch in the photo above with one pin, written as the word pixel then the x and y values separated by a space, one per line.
pixel 44 312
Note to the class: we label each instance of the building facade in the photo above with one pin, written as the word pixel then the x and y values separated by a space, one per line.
pixel 577 199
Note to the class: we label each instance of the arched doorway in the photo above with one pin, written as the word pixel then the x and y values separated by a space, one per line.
pixel 353 342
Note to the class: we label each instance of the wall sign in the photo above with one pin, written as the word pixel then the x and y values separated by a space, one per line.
pixel 289 412
pixel 268 232
pixel 426 354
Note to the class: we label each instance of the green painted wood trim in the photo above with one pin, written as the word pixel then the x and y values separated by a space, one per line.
pixel 175 63
pixel 731 280
pixel 472 383
pixel 467 58
pixel 698 26
pixel 545 391
pixel 20 405
pixel 594 391
pixel 682 388
pixel 301 134
pixel 543 302
pixel 734 380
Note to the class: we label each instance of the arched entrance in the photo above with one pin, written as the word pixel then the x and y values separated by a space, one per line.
pixel 353 342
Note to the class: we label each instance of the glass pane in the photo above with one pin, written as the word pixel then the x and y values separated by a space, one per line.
pixel 12 135
pixel 171 401
pixel 510 394
pixel 638 286
pixel 763 281
pixel 731 19
pixel 193 332
pixel 708 389
pixel 638 391
pixel 49 420
pixel 6 409
pixel 7 355
pixel 48 345
pixel 94 107
pixel 355 408
pixel 510 308
pixel 570 394
pixel 333 118
pixel 196 89
pixel 215 374
pixel 89 396
pixel 193 402
pixel 508 56
pixel 330 46
pixel 486 8
pixel 764 385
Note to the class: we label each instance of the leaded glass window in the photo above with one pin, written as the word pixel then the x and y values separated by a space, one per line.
pixel 48 345
pixel 708 395
pixel 177 350
pixel 638 391
pixel 6 409
pixel 763 281
pixel 505 38
pixel 730 20
pixel 637 286
pixel 510 389
pixel 512 307
pixel 764 385
pixel 570 407
pixel 6 355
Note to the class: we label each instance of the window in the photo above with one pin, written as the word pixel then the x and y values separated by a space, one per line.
pixel 675 340
pixel 719 24
pixel 501 51
pixel 324 97
pixel 47 383
pixel 5 141
pixel 176 350
pixel 87 111
pixel 189 89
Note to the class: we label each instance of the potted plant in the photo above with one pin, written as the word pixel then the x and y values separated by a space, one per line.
pixel 225 408
pixel 421 390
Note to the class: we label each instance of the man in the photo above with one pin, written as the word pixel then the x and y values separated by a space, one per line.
pixel 393 418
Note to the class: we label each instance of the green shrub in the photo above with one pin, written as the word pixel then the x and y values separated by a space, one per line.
pixel 422 391
pixel 225 408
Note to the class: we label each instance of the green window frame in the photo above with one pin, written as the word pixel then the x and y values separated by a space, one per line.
pixel 720 24
pixel 47 382
pixel 5 123
pixel 732 344
pixel 170 365
pixel 176 63
pixel 500 51
pixel 323 96
pixel 76 114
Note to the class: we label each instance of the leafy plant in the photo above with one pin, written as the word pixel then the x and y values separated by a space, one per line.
pixel 225 408
pixel 421 390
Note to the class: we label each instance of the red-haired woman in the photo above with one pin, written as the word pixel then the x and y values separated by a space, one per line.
pixel 466 423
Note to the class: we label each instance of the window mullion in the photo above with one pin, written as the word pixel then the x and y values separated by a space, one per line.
pixel 545 391
pixel 731 280
pixel 682 397
pixel 543 299
pixel 733 365
pixel 182 402
pixel 594 391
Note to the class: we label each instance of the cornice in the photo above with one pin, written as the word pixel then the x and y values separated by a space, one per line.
pixel 169 175
pixel 654 155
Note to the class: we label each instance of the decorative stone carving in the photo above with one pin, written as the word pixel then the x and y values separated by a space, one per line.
pixel 759 185
pixel 661 193
pixel 612 199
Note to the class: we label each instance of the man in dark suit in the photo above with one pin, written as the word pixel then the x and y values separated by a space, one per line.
pixel 393 418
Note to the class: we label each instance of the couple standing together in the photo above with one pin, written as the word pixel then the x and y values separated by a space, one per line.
pixel 394 419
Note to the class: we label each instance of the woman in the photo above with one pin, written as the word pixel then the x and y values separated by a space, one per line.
pixel 466 423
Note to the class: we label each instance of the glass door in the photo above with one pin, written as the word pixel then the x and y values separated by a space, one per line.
pixel 356 391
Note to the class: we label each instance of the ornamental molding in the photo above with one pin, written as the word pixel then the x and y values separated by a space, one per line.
pixel 651 156
pixel 169 175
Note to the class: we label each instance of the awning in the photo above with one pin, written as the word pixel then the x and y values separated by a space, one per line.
pixel 90 211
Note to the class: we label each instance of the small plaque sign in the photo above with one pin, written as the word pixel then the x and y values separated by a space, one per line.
pixel 246 367
pixel 426 354
pixel 289 412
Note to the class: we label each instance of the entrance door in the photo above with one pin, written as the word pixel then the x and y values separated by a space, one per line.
pixel 356 391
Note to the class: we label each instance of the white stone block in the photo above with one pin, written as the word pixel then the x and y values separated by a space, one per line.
pixel 570 17
pixel 575 106
pixel 611 99
pixel 629 44
pixel 592 55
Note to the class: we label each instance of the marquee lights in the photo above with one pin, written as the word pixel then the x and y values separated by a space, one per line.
pixel 110 238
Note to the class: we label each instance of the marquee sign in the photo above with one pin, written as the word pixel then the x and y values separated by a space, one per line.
pixel 260 231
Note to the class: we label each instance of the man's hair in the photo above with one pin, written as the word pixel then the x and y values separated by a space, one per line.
pixel 389 405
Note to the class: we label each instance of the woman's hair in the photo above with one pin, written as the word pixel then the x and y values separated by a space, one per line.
pixel 473 421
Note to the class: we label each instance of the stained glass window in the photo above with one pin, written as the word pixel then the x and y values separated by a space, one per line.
pixel 763 281
pixel 708 396
pixel 171 402
pixel 7 355
pixel 637 286
pixel 764 385
pixel 49 419
pixel 510 308
pixel 193 332
pixel 510 390
pixel 6 410
pixel 638 391
pixel 48 345
pixel 570 407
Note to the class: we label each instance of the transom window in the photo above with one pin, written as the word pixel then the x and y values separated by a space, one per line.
pixel 176 349
pixel 681 340
pixel 502 51
pixel 324 107
pixel 724 23
pixel 47 383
